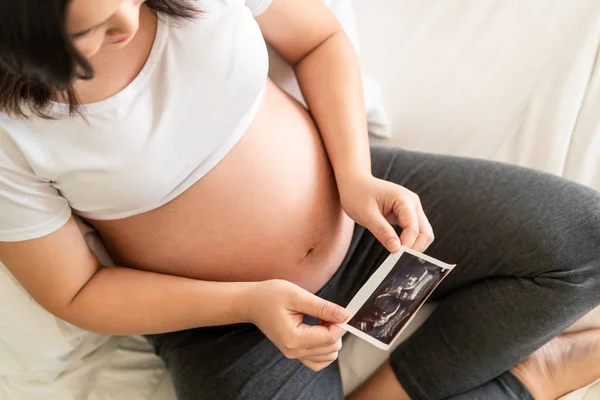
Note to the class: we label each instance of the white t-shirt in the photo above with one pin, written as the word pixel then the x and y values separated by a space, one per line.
pixel 198 92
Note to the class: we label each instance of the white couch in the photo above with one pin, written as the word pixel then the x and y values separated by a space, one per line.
pixel 510 80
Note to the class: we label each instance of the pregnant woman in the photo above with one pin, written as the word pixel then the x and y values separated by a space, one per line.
pixel 237 218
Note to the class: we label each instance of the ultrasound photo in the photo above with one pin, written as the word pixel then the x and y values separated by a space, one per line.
pixel 388 309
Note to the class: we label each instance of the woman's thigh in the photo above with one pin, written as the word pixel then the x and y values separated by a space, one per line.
pixel 239 362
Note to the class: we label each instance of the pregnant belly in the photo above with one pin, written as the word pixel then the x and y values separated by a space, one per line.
pixel 270 209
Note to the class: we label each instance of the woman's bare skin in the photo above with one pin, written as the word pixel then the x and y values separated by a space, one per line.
pixel 566 363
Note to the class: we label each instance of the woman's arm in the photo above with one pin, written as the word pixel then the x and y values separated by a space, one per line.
pixel 310 39
pixel 63 276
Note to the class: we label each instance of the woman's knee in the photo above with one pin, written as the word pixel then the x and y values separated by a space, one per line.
pixel 575 259
pixel 559 232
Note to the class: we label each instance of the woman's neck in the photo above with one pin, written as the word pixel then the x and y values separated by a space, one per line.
pixel 114 70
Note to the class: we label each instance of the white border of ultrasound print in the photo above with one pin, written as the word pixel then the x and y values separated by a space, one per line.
pixel 369 287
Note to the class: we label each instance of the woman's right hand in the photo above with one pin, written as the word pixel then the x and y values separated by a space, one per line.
pixel 277 308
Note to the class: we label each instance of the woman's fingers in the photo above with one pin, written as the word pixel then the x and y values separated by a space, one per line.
pixel 323 350
pixel 330 357
pixel 425 237
pixel 314 341
pixel 377 205
pixel 406 215
pixel 309 337
pixel 383 231
pixel 280 308
pixel 310 304
pixel 405 211
pixel 318 336
pixel 316 365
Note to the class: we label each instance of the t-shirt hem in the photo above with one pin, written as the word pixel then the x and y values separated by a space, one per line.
pixel 194 177
pixel 38 231
pixel 189 178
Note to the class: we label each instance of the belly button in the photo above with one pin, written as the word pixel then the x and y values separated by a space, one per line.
pixel 309 252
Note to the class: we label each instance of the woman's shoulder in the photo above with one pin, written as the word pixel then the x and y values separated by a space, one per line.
pixel 24 140
pixel 12 142
pixel 9 126
pixel 13 133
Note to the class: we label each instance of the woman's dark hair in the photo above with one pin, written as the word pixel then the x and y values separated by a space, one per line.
pixel 38 61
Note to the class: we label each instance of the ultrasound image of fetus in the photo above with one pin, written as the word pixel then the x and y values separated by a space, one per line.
pixel 397 297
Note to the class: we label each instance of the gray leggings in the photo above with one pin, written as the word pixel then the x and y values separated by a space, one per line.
pixel 527 245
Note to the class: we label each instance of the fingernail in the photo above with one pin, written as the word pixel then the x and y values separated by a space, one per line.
pixel 341 314
pixel 393 244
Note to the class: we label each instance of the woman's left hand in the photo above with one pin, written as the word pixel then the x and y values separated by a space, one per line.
pixel 377 204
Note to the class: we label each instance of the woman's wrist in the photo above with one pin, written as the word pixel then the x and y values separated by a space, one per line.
pixel 348 179
pixel 244 302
